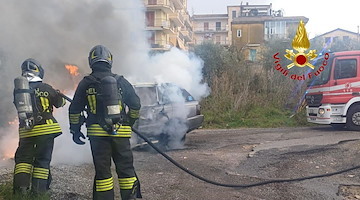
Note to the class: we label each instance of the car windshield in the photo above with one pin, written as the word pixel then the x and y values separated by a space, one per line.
pixel 170 93
pixel 322 77
pixel 187 95
pixel 147 95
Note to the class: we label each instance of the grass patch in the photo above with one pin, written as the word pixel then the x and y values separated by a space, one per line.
pixel 6 193
pixel 255 116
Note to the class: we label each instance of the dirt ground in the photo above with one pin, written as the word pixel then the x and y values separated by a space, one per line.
pixel 235 156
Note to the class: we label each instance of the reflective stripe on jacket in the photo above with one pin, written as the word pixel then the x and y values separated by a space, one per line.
pixel 96 130
pixel 43 129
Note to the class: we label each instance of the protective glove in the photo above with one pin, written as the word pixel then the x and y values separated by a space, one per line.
pixel 76 137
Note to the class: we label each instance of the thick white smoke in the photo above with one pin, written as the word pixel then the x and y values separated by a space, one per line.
pixel 63 32
pixel 179 67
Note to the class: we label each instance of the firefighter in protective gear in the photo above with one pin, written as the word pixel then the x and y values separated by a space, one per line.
pixel 108 126
pixel 34 153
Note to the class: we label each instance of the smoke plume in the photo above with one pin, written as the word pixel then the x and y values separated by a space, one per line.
pixel 62 32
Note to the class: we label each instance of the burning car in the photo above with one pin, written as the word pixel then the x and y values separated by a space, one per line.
pixel 167 113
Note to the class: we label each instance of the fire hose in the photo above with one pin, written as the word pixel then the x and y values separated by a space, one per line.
pixel 224 184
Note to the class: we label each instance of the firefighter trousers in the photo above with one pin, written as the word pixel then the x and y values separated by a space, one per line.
pixel 117 148
pixel 32 164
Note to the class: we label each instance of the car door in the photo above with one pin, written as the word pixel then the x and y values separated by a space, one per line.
pixel 152 115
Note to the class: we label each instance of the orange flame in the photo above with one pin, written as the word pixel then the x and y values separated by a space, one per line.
pixel 14 122
pixel 73 70
pixel 8 155
pixel 8 143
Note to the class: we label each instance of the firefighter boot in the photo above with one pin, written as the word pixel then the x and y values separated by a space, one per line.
pixel 133 193
pixel 39 186
pixel 21 183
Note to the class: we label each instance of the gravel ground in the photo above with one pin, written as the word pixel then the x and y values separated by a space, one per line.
pixel 235 156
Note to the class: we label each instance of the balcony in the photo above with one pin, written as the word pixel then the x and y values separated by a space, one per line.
pixel 177 18
pixel 179 4
pixel 181 41
pixel 188 23
pixel 188 35
pixel 211 29
pixel 168 28
pixel 162 26
pixel 165 5
pixel 161 45
pixel 222 42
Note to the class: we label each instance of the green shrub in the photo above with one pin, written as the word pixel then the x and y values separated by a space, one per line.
pixel 247 94
pixel 6 193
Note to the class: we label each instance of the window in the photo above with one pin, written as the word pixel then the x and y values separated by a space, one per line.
pixel 147 95
pixel 275 29
pixel 152 2
pixel 187 95
pixel 238 33
pixel 169 93
pixel 335 39
pixel 152 38
pixel 150 18
pixel 206 26
pixel 218 26
pixel 233 14
pixel 327 39
pixel 252 54
pixel 218 39
pixel 345 68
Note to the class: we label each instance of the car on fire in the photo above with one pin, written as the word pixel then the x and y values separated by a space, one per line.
pixel 167 114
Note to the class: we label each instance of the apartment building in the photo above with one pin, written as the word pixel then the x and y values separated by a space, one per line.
pixel 250 33
pixel 168 24
pixel 211 28
pixel 246 27
pixel 216 28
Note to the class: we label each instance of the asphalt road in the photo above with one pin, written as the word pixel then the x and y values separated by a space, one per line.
pixel 244 156
pixel 236 156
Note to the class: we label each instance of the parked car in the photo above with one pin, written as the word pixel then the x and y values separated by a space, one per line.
pixel 167 113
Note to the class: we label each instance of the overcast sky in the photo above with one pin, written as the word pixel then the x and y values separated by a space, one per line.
pixel 323 15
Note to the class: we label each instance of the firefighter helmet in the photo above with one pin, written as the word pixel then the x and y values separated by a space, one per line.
pixel 100 53
pixel 33 67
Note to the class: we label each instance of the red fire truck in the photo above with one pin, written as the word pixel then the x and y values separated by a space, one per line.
pixel 333 96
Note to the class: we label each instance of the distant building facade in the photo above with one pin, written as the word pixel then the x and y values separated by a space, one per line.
pixel 245 26
pixel 337 34
pixel 211 28
pixel 258 23
pixel 168 24
pixel 250 33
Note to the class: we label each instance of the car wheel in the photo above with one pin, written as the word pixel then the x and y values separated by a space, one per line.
pixel 353 118
pixel 163 141
pixel 174 134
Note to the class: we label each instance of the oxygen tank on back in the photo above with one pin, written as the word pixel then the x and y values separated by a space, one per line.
pixel 22 100
pixel 111 100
